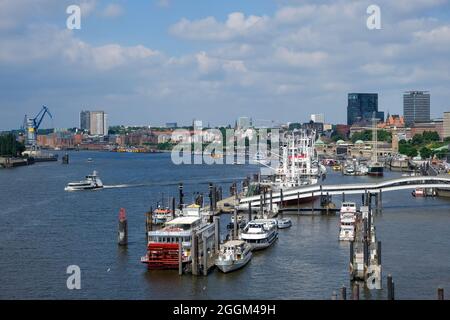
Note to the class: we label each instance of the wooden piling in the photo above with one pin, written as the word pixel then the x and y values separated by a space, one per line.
pixel 180 258
pixel 249 211
pixel 173 208
pixel 217 233
pixel 379 253
pixel 440 293
pixel 205 257
pixel 343 293
pixel 343 196
pixel 235 225
pixel 390 288
pixel 281 201
pixel 261 206
pixel 355 292
pixel 123 228
pixel 194 253
pixel 271 201
pixel 180 190
pixel 352 251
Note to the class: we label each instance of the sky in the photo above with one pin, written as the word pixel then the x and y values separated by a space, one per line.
pixel 148 62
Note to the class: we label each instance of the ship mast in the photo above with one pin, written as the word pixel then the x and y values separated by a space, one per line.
pixel 374 139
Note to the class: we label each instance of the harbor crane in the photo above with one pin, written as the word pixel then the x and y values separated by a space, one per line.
pixel 31 125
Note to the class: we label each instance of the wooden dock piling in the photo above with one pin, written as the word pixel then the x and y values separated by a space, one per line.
pixel 355 291
pixel 440 293
pixel 343 293
pixel 123 228
pixel 194 253
pixel 180 258
pixel 390 288
pixel 235 225
pixel 217 233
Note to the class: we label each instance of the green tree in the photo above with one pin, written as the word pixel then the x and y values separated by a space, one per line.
pixel 425 153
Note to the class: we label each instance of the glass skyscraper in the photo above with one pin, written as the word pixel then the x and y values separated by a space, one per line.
pixel 416 107
pixel 361 108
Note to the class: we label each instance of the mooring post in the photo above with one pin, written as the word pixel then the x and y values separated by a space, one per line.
pixel 390 288
pixel 369 226
pixel 379 253
pixel 235 225
pixel 440 293
pixel 261 208
pixel 249 211
pixel 217 233
pixel 194 253
pixel 352 252
pixel 180 257
pixel 173 208
pixel 369 200
pixel 343 293
pixel 271 201
pixel 281 201
pixel 363 201
pixel 328 203
pixel 355 291
pixel 123 228
pixel 381 201
pixel 377 203
pixel 180 189
pixel 205 257
pixel 343 196
pixel 214 199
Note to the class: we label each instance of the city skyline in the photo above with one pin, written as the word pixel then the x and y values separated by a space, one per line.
pixel 278 60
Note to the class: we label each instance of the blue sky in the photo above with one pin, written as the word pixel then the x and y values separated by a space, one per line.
pixel 158 61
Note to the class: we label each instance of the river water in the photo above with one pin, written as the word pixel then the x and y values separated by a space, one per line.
pixel 44 229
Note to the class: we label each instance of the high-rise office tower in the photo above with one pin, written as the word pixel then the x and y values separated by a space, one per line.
pixel 416 107
pixel 85 120
pixel 97 122
pixel 361 108
pixel 318 118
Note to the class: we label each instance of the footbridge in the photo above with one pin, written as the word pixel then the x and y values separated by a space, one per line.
pixel 402 183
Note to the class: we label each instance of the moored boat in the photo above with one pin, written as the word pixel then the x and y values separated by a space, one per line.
pixel 284 223
pixel 260 233
pixel 233 255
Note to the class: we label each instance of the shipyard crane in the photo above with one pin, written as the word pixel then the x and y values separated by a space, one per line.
pixel 32 125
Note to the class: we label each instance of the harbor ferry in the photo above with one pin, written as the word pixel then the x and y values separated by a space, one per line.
pixel 163 245
pixel 233 255
pixel 92 182
pixel 260 233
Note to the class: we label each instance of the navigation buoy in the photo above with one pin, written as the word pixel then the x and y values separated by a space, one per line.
pixel 123 228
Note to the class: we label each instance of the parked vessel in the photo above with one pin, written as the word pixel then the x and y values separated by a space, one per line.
pixel 347 221
pixel 233 255
pixel 284 223
pixel 163 245
pixel 260 233
pixel 162 215
pixel 91 182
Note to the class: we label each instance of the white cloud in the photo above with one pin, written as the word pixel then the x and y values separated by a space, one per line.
pixel 301 58
pixel 236 26
pixel 112 10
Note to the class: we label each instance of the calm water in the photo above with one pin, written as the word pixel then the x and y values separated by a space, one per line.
pixel 44 229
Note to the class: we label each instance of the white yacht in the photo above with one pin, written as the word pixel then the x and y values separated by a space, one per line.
pixel 284 223
pixel 260 233
pixel 92 182
pixel 233 255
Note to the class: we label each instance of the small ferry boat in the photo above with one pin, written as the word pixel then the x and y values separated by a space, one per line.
pixel 233 255
pixel 161 215
pixel 260 233
pixel 92 182
pixel 348 207
pixel 347 232
pixel 284 223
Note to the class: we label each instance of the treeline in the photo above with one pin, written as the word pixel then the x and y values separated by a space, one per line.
pixel 366 135
pixel 9 146
pixel 424 144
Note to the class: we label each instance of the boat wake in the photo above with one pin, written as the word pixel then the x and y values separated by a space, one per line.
pixel 120 186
